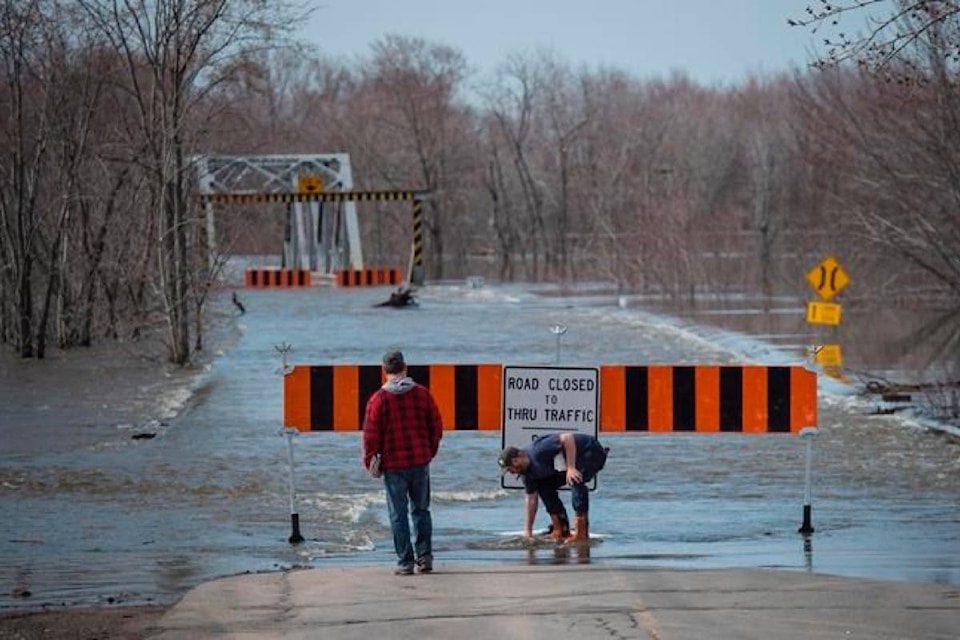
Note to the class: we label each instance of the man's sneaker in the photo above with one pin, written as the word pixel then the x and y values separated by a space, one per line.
pixel 425 564
pixel 403 570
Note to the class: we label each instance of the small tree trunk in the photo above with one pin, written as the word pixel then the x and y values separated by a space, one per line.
pixel 198 325
pixel 25 310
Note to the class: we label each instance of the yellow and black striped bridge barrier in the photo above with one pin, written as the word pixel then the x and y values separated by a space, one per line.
pixel 633 398
pixel 368 277
pixel 312 196
pixel 276 277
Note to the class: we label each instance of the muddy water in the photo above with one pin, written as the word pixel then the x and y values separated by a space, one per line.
pixel 92 514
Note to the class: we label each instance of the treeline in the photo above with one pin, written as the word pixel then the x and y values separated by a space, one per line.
pixel 540 171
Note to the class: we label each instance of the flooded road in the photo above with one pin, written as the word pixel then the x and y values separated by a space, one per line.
pixel 102 517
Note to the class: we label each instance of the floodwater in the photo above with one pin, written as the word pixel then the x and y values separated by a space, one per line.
pixel 103 517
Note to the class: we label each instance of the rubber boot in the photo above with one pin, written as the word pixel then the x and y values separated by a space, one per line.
pixel 565 522
pixel 582 532
pixel 559 527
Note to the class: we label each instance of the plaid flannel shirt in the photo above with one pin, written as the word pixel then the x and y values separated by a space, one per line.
pixel 405 427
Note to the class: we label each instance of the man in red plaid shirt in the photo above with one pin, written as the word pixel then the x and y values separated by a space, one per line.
pixel 402 430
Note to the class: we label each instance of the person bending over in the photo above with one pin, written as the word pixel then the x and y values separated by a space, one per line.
pixel 551 462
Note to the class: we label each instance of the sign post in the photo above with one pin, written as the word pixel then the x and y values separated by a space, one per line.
pixel 827 278
pixel 538 401
pixel 806 527
pixel 295 536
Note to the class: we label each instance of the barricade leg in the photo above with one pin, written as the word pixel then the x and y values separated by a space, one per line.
pixel 295 536
pixel 806 528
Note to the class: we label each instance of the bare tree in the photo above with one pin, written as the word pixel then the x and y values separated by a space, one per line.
pixel 769 167
pixel 889 31
pixel 26 103
pixel 566 107
pixel 901 120
pixel 514 104
pixel 418 86
pixel 504 212
pixel 175 52
pixel 623 149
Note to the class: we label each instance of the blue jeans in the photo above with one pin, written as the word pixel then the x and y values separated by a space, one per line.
pixel 550 495
pixel 591 462
pixel 410 488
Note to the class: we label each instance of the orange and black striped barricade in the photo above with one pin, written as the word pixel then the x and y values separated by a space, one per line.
pixel 368 277
pixel 273 277
pixel 707 398
pixel 633 398
pixel 334 397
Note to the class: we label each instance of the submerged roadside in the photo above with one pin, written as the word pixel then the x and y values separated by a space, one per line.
pixel 895 359
pixel 104 395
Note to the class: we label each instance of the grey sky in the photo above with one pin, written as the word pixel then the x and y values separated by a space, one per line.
pixel 712 41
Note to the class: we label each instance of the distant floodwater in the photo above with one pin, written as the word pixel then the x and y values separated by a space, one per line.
pixel 95 514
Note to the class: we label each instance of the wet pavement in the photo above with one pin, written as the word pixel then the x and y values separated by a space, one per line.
pixel 546 602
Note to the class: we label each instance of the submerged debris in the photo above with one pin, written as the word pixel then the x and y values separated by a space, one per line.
pixel 400 298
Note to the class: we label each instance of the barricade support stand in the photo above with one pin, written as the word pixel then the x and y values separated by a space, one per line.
pixel 295 536
pixel 806 528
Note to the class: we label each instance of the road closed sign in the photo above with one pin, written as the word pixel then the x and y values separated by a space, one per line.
pixel 538 401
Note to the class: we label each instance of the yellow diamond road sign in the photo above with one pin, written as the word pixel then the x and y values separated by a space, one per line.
pixel 309 184
pixel 828 278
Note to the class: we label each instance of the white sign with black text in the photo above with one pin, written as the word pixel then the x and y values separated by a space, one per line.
pixel 538 401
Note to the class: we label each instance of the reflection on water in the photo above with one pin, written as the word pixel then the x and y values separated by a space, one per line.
pixel 885 341
pixel 560 554
pixel 102 516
